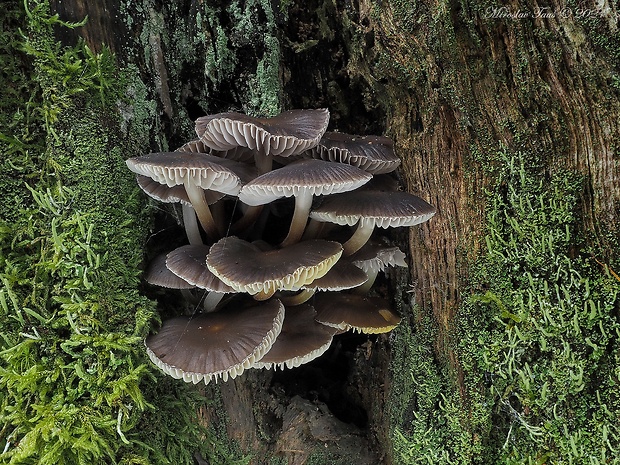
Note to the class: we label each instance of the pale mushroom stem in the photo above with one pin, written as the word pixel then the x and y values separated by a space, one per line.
pixel 197 198
pixel 303 203
pixel 359 238
pixel 364 288
pixel 190 223
pixel 212 300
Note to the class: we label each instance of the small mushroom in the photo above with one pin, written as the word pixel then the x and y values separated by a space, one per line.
pixel 246 268
pixel 373 258
pixel 370 209
pixel 286 134
pixel 369 315
pixel 216 345
pixel 303 180
pixel 196 172
pixel 301 340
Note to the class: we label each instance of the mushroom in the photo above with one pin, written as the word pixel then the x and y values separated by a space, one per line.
pixel 373 258
pixel 189 263
pixel 246 268
pixel 303 180
pixel 301 340
pixel 196 172
pixel 369 315
pixel 215 345
pixel 374 154
pixel 286 134
pixel 370 209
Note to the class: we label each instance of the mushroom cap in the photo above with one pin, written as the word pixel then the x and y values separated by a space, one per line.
pixel 215 345
pixel 247 268
pixel 379 208
pixel 174 194
pixel 288 133
pixel 375 257
pixel 343 275
pixel 189 262
pixel 370 315
pixel 374 154
pixel 159 275
pixel 318 177
pixel 200 169
pixel 301 340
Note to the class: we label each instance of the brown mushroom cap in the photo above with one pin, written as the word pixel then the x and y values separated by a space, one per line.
pixel 374 154
pixel 189 262
pixel 343 275
pixel 183 168
pixel 301 340
pixel 159 275
pixel 370 209
pixel 303 177
pixel 215 345
pixel 246 268
pixel 370 315
pixel 286 134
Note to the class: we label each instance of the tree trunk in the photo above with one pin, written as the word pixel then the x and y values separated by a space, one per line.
pixel 453 83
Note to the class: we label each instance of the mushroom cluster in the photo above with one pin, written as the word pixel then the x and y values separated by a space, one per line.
pixel 279 216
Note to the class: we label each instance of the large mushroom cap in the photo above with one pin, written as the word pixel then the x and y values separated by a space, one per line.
pixel 197 172
pixel 312 177
pixel 370 315
pixel 301 340
pixel 379 208
pixel 247 268
pixel 374 154
pixel 286 134
pixel 215 345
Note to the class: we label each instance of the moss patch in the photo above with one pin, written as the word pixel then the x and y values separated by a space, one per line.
pixel 75 385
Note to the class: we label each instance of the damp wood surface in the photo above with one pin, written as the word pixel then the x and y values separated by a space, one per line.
pixel 452 84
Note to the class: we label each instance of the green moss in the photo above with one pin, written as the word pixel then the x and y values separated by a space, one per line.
pixel 75 385
pixel 546 330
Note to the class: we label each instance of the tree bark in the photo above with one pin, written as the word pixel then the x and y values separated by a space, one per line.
pixel 452 83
